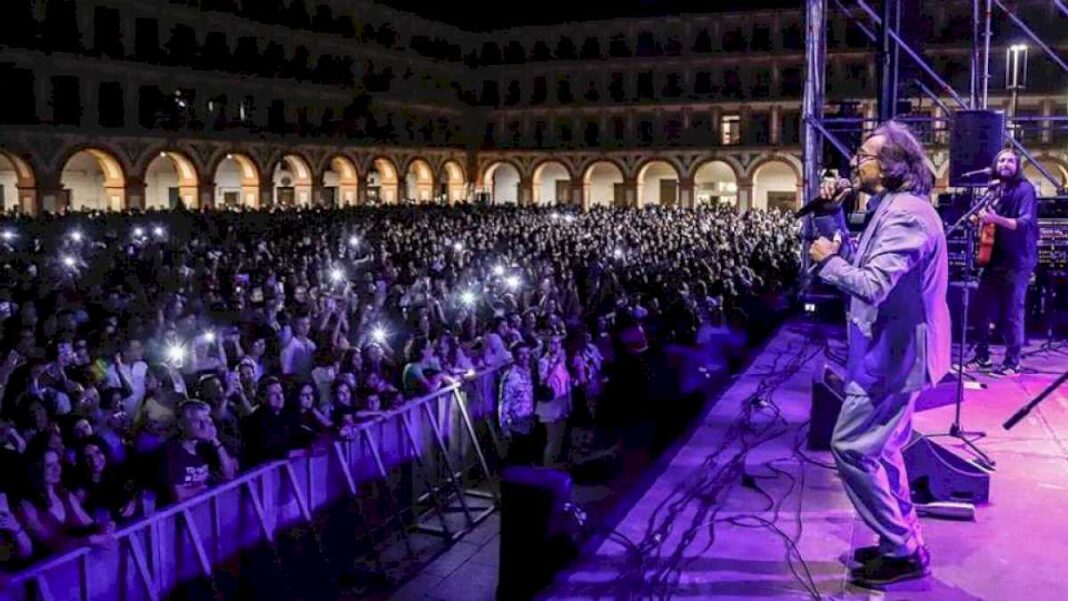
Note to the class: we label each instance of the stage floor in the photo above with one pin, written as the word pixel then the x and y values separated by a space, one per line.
pixel 703 534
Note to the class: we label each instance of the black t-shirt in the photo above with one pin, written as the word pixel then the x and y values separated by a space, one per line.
pixel 268 435
pixel 1016 249
pixel 180 468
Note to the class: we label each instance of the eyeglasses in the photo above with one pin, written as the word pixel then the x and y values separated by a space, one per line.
pixel 861 157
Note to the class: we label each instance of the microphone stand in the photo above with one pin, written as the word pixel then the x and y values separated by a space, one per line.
pixel 967 284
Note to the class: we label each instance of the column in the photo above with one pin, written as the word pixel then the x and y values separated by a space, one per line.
pixel 776 124
pixel 90 92
pixel 50 194
pixel 686 192
pixel 526 192
pixel 133 195
pixel 745 193
pixel 206 194
pixel 630 194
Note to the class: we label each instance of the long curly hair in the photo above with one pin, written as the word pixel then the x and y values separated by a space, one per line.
pixel 902 160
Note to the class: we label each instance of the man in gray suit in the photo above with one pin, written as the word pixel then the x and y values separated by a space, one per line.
pixel 899 344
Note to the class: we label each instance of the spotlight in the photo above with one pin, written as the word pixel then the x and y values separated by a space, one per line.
pixel 175 353
pixel 378 334
pixel 468 298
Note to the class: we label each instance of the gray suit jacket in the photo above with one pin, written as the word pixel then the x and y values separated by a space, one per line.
pixel 899 324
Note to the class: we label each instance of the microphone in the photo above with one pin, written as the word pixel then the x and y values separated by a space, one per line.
pixel 821 205
pixel 983 171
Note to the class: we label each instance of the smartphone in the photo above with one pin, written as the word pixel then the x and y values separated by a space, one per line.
pixel 257 294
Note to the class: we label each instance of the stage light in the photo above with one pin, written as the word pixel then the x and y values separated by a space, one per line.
pixel 175 353
pixel 378 334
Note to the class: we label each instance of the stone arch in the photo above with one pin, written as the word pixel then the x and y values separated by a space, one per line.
pixel 18 183
pixel 715 181
pixel 419 181
pixel 600 182
pixel 1042 186
pixel 171 177
pixel 454 181
pixel 651 189
pixel 776 184
pixel 292 181
pixel 382 182
pixel 93 178
pixel 340 181
pixel 237 181
pixel 502 185
pixel 547 177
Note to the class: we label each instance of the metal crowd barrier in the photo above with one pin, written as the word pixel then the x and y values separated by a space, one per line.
pixel 435 443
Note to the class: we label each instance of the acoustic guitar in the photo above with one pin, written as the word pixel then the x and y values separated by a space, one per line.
pixel 988 230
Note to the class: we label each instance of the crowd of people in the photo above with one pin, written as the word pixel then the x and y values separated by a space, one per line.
pixel 149 356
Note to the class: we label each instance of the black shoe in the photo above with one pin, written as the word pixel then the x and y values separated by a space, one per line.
pixel 865 554
pixel 888 570
pixel 979 362
pixel 1008 369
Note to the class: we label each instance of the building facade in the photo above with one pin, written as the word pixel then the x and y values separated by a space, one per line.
pixel 113 104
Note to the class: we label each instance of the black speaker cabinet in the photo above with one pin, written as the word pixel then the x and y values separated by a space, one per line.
pixel 976 137
pixel 535 540
pixel 827 394
pixel 937 474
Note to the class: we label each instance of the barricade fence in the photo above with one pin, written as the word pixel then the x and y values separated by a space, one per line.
pixel 426 466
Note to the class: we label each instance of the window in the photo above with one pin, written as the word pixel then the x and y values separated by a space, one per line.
pixel 730 127
pixel 617 88
pixel 645 86
pixel 146 40
pixel 703 84
pixel 541 91
pixel 111 105
pixel 66 101
pixel 107 35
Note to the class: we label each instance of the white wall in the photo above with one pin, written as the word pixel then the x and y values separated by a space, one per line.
pixel 550 174
pixel 715 179
pixel 772 177
pixel 505 185
pixel 1042 185
pixel 649 187
pixel 83 177
pixel 602 184
pixel 9 193
pixel 160 178
pixel 227 179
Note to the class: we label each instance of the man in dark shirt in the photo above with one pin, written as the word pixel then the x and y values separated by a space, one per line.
pixel 1003 285
pixel 195 459
pixel 269 432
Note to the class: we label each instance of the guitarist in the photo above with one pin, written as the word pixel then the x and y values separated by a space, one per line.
pixel 1003 283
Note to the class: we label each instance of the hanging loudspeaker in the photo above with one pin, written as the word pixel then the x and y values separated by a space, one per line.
pixel 976 137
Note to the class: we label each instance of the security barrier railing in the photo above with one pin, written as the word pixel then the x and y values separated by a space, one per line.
pixel 435 443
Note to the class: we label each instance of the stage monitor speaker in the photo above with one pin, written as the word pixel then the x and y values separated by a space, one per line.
pixel 976 137
pixel 937 474
pixel 828 390
pixel 535 530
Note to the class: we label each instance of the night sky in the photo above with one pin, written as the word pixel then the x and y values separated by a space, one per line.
pixel 485 15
